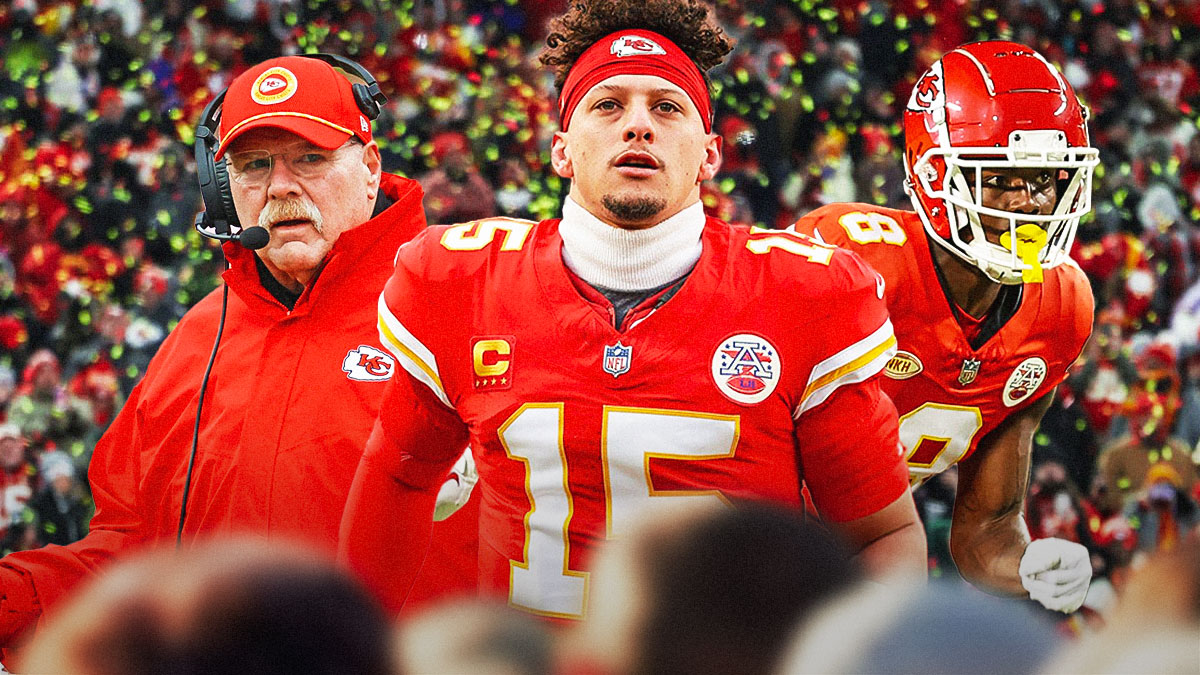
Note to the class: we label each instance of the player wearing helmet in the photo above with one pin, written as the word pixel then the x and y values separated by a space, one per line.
pixel 988 309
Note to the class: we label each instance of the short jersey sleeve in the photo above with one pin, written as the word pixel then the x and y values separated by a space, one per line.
pixel 846 427
pixel 408 326
pixel 417 418
pixel 1078 303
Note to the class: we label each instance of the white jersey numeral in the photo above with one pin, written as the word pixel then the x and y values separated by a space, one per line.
pixel 543 582
pixel 786 240
pixel 937 435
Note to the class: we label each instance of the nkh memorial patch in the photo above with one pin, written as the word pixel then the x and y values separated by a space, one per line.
pixel 903 366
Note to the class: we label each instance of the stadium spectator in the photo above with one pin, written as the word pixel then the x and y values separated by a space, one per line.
pixel 18 478
pixel 1150 411
pixel 568 321
pixel 46 411
pixel 1055 506
pixel 60 508
pixel 988 317
pixel 1164 511
pixel 297 379
pixel 8 386
pixel 455 192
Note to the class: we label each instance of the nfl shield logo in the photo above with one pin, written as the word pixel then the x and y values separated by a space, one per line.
pixel 616 358
pixel 970 368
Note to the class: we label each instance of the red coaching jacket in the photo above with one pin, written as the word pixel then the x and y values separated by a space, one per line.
pixel 290 404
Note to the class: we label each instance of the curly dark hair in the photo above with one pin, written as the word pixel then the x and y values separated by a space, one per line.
pixel 688 23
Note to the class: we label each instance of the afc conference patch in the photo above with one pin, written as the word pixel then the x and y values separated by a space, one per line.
pixel 617 358
pixel 1025 380
pixel 746 368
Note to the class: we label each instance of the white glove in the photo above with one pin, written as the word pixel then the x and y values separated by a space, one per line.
pixel 457 489
pixel 1056 572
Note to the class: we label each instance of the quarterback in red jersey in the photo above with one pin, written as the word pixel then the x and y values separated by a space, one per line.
pixel 989 311
pixel 631 353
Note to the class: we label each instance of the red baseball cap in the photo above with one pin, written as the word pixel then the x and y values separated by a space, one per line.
pixel 303 95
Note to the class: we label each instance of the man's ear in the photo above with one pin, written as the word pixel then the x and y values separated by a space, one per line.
pixel 712 158
pixel 560 156
pixel 374 164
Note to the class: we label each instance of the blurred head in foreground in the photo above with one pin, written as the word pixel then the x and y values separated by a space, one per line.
pixel 476 636
pixel 713 590
pixel 240 606
pixel 940 628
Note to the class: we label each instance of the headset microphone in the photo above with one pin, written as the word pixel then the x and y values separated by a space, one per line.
pixel 252 238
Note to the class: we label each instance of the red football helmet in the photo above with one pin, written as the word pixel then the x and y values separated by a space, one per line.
pixel 995 105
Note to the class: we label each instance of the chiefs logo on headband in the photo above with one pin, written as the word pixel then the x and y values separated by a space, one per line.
pixel 632 45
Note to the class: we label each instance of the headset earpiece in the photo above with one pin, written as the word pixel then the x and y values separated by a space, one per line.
pixel 219 216
pixel 221 177
pixel 362 98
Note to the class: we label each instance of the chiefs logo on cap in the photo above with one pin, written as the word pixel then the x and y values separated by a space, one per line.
pixel 275 85
pixel 632 45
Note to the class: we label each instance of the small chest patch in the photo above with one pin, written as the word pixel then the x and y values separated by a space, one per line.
pixel 746 368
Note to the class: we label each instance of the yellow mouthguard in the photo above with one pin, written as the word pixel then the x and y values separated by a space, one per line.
pixel 1030 240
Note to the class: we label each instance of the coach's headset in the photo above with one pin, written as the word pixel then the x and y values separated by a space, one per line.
pixel 219 218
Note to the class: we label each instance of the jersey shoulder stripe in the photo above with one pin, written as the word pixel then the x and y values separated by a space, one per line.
pixel 413 356
pixel 856 363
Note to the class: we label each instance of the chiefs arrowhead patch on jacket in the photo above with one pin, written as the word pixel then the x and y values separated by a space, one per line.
pixel 368 364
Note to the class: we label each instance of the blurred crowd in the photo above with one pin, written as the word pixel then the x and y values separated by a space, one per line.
pixel 692 590
pixel 98 257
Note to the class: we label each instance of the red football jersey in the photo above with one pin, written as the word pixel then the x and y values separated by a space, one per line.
pixel 949 395
pixel 742 384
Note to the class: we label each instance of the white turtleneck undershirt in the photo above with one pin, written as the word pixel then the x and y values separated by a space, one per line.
pixel 608 257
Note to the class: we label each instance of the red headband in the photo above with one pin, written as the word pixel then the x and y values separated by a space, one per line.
pixel 634 52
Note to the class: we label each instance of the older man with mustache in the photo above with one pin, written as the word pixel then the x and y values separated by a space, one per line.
pixel 299 373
